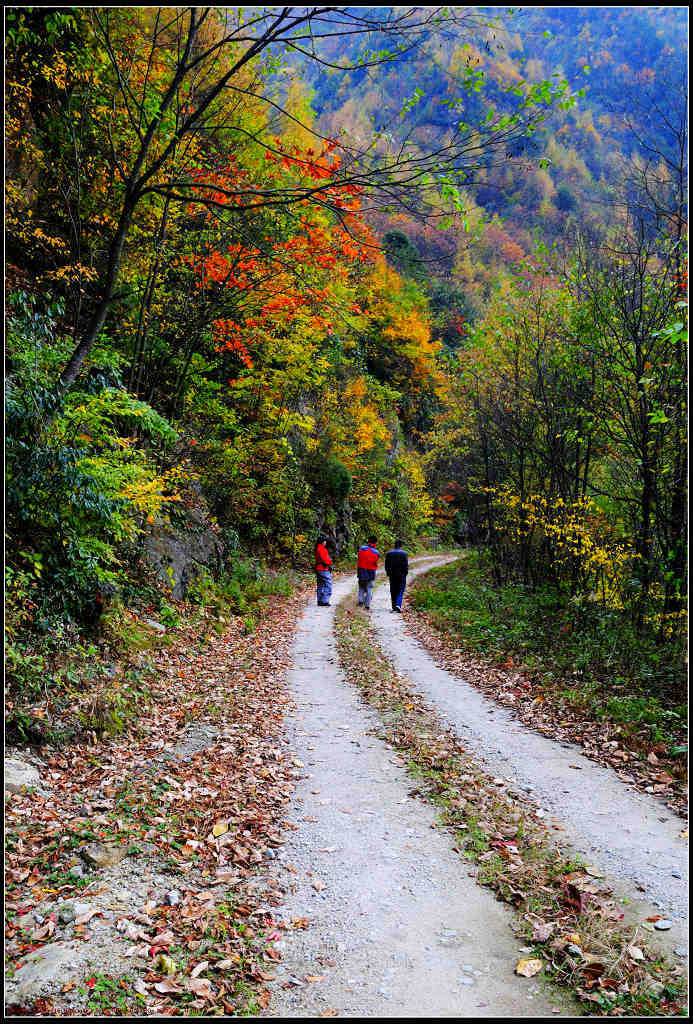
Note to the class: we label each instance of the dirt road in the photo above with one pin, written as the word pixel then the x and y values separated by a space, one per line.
pixel 397 926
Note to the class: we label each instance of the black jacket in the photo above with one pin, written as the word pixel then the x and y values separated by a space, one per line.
pixel 396 564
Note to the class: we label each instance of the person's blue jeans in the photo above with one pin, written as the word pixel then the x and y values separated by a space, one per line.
pixel 324 580
pixel 366 592
pixel 397 585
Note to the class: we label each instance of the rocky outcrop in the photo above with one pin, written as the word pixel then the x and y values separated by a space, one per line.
pixel 180 553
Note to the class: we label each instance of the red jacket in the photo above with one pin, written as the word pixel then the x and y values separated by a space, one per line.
pixel 368 558
pixel 323 562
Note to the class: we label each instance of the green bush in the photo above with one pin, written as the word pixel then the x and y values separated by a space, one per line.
pixel 246 587
pixel 81 475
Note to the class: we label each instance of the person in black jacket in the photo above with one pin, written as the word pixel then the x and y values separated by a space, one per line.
pixel 397 567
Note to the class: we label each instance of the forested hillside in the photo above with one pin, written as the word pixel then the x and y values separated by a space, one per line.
pixel 412 272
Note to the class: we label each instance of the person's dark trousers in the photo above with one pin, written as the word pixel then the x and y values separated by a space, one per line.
pixel 324 581
pixel 397 585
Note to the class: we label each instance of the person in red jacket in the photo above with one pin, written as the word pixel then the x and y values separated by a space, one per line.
pixel 323 572
pixel 365 571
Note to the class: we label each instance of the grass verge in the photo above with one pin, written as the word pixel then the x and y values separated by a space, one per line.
pixel 564 912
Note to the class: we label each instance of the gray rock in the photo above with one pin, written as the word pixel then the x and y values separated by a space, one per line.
pixel 680 952
pixel 154 625
pixel 72 909
pixel 663 926
pixel 20 776
pixel 43 971
pixel 103 855
pixel 123 896
pixel 180 554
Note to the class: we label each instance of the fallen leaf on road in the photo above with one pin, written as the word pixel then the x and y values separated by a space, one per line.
pixel 200 986
pixel 319 885
pixel 528 968
pixel 165 964
pixel 263 976
pixel 313 977
pixel 141 950
pixel 167 986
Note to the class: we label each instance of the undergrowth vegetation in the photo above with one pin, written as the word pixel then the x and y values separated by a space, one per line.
pixel 66 680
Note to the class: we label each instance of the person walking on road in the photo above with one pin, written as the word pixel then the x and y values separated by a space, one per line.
pixel 397 567
pixel 323 572
pixel 365 571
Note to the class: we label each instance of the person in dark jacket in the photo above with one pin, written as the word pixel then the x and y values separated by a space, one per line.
pixel 323 572
pixel 397 567
pixel 365 571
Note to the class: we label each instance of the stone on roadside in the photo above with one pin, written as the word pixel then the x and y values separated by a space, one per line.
pixel 71 909
pixel 151 624
pixel 103 855
pixel 43 971
pixel 21 777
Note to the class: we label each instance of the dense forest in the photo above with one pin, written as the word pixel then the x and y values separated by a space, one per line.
pixel 415 272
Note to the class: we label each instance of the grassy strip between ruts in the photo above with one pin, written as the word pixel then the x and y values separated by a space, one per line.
pixel 567 916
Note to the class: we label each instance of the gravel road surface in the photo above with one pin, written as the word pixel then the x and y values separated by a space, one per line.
pixel 397 926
